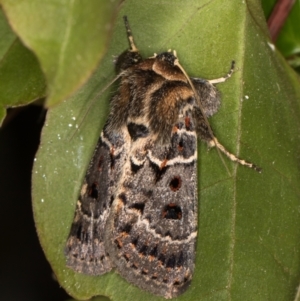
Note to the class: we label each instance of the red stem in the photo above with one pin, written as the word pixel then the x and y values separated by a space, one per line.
pixel 278 16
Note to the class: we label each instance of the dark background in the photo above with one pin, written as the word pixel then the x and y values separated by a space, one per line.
pixel 25 273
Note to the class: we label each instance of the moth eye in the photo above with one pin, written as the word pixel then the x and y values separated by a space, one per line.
pixel 175 183
pixel 93 191
pixel 172 211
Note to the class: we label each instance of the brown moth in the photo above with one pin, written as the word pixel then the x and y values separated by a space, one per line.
pixel 137 210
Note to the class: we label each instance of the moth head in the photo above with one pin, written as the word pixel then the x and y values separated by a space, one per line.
pixel 167 57
pixel 127 59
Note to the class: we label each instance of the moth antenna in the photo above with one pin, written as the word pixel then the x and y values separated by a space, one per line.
pixel 92 103
pixel 133 48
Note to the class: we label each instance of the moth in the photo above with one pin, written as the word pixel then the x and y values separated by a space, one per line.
pixel 137 209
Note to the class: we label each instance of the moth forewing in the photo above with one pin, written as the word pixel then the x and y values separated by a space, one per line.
pixel 85 249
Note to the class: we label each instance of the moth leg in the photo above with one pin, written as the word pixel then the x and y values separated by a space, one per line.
pixel 214 142
pixel 204 134
pixel 224 78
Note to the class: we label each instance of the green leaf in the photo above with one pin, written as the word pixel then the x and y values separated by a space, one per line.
pixel 21 78
pixel 68 37
pixel 249 223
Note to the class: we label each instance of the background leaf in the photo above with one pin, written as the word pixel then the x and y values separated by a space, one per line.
pixel 68 37
pixel 21 78
pixel 249 223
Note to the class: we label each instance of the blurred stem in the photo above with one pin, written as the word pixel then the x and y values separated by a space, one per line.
pixel 278 16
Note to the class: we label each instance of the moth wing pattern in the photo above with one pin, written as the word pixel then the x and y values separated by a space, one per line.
pixel 151 232
pixel 85 249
